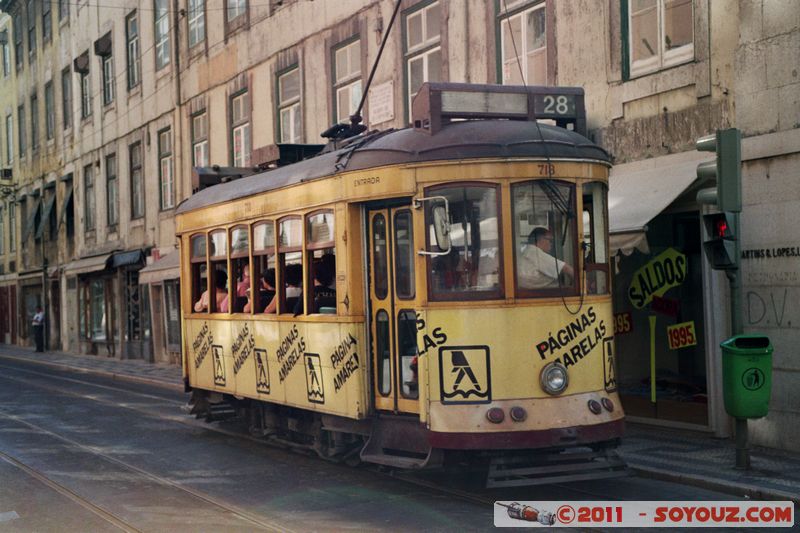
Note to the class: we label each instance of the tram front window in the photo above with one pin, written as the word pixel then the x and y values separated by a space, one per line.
pixel 543 215
pixel 472 269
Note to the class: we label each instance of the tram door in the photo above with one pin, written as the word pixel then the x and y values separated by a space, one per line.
pixel 393 320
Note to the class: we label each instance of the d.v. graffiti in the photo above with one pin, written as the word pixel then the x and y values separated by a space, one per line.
pixel 575 340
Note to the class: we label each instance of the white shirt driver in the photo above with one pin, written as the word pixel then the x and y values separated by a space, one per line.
pixel 537 269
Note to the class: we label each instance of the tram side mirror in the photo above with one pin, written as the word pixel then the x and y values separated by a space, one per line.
pixel 438 221
pixel 441 227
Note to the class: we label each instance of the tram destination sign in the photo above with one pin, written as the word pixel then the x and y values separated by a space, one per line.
pixel 437 103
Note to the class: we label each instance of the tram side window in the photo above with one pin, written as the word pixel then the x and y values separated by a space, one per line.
pixel 380 256
pixel 218 299
pixel 264 267
pixel 290 265
pixel 472 269
pixel 320 243
pixel 595 237
pixel 240 267
pixel 544 237
pixel 407 345
pixel 404 255
pixel 199 271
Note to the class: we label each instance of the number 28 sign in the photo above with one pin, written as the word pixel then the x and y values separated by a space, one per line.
pixel 681 335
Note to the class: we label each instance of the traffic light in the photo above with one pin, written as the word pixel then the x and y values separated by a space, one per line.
pixel 726 170
pixel 720 247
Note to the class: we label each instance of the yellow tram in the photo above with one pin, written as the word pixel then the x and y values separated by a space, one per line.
pixel 412 295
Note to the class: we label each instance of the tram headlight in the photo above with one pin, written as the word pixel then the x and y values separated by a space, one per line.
pixel 554 379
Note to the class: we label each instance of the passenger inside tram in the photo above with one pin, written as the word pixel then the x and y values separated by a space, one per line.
pixel 294 289
pixel 267 298
pixel 324 295
pixel 539 268
pixel 220 294
pixel 242 287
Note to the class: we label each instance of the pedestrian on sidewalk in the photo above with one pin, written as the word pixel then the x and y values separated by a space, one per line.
pixel 38 328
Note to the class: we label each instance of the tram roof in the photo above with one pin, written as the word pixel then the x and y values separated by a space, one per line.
pixel 472 139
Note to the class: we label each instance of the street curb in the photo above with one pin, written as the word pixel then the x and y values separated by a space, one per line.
pixel 729 487
pixel 102 373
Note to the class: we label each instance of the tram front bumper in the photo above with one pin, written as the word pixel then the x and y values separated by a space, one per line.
pixel 557 421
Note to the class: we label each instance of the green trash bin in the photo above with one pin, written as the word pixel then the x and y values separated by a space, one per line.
pixel 747 375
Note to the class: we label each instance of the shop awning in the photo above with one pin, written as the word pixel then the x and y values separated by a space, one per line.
pixel 87 264
pixel 123 259
pixel 168 267
pixel 65 204
pixel 639 191
pixel 45 218
pixel 30 224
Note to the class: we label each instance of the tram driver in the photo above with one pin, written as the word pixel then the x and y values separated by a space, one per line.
pixel 539 268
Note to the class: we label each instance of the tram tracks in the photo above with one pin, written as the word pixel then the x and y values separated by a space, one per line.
pixel 409 478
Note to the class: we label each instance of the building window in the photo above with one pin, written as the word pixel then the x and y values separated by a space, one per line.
pixel 289 110
pixel 108 79
pixel 22 133
pixel 200 139
pixel 524 46
pixel 12 227
pixel 161 16
pixel 6 60
pixel 19 48
pixel 31 30
pixel 661 34
pixel 34 122
pixel 165 169
pixel 240 129
pixel 86 95
pixel 88 198
pixel 66 97
pixel 112 190
pixel 197 22
pixel 63 9
pixel 137 185
pixel 134 59
pixel 47 22
pixel 236 8
pixel 423 48
pixel 9 139
pixel 346 80
pixel 49 111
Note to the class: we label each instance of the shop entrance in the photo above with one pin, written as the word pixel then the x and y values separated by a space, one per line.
pixel 658 305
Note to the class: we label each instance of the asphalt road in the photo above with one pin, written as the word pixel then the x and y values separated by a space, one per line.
pixel 84 453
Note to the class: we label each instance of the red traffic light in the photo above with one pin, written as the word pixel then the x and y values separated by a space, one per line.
pixel 721 227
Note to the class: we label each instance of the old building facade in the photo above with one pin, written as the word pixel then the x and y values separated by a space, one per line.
pixel 130 98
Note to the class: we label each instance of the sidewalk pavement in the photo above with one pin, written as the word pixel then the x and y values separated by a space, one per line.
pixel 690 458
